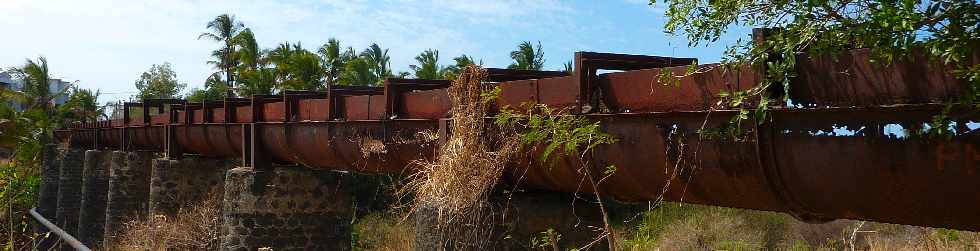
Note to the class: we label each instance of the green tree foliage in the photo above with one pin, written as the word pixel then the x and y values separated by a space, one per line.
pixel 214 89
pixel 460 62
pixel 35 76
pixel 23 133
pixel 334 59
pixel 160 81
pixel 247 50
pixel 379 61
pixel 254 76
pixel 297 68
pixel 82 105
pixel 304 71
pixel 527 57
pixel 358 71
pixel 947 30
pixel 223 29
pixel 428 66
pixel 259 81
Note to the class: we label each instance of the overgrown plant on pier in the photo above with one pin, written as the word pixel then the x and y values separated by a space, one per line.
pixel 454 189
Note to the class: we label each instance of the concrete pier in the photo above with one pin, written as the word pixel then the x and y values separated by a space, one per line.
pixel 509 221
pixel 95 183
pixel 47 201
pixel 129 189
pixel 286 208
pixel 69 191
pixel 182 183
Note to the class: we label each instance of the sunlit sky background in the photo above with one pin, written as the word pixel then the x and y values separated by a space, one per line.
pixel 106 45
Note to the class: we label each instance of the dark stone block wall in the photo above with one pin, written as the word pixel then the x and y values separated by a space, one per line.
pixel 47 201
pixel 70 191
pixel 532 212
pixel 286 208
pixel 180 183
pixel 508 222
pixel 95 183
pixel 129 189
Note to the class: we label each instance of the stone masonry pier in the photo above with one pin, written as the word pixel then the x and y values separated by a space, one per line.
pixel 129 188
pixel 286 208
pixel 177 184
pixel 95 183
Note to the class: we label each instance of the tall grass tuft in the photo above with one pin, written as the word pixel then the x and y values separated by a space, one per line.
pixel 196 227
pixel 455 187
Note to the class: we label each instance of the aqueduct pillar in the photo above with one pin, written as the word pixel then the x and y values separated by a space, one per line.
pixel 286 208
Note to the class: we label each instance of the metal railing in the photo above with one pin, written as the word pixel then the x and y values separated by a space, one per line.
pixel 67 238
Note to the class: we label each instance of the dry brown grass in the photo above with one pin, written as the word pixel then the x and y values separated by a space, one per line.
pixel 383 232
pixel 454 188
pixel 194 228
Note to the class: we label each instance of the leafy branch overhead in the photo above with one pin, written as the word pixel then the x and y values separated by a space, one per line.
pixel 946 30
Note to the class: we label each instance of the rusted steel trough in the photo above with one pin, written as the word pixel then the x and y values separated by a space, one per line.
pixel 847 153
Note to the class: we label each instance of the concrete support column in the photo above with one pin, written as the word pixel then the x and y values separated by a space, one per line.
pixel 129 188
pixel 508 222
pixel 70 191
pixel 47 201
pixel 95 183
pixel 181 183
pixel 286 208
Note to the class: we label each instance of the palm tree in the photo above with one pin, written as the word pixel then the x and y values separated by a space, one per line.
pixel 428 67
pixel 214 89
pixel 82 105
pixel 569 67
pixel 334 59
pixel 260 81
pixel 35 76
pixel 304 71
pixel 247 50
pixel 527 57
pixel 36 95
pixel 358 71
pixel 462 61
pixel 254 78
pixel 379 61
pixel 224 29
pixel 296 68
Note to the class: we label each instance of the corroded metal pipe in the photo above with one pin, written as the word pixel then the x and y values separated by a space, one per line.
pixel 849 154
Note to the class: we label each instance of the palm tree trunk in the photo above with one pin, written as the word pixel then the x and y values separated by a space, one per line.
pixel 229 83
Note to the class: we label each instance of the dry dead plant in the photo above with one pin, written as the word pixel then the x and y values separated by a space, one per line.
pixel 454 188
pixel 383 232
pixel 194 228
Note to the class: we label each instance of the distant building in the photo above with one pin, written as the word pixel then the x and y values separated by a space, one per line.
pixel 55 86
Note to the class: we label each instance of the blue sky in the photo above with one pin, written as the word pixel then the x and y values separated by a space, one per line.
pixel 106 45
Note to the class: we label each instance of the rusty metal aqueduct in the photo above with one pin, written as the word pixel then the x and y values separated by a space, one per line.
pixel 843 148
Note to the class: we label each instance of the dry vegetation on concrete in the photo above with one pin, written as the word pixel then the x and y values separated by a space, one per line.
pixel 455 187
pixel 383 231
pixel 196 227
